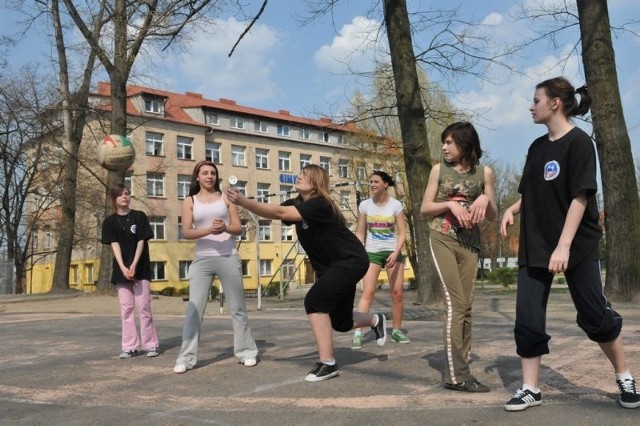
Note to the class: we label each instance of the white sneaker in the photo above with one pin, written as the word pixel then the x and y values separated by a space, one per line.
pixel 250 362
pixel 181 368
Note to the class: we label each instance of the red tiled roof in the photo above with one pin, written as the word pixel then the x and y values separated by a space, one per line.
pixel 175 103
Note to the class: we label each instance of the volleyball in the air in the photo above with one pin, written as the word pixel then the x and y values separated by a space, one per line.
pixel 116 153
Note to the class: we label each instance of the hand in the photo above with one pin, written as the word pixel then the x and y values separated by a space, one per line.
pixel 128 273
pixel 507 220
pixel 461 214
pixel 478 209
pixel 217 227
pixel 234 196
pixel 391 260
pixel 559 260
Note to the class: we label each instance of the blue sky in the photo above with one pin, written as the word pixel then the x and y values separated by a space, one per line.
pixel 280 65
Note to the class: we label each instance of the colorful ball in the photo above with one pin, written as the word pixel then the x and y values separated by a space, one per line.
pixel 116 153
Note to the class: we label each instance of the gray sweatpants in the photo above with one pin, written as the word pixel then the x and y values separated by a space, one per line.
pixel 201 274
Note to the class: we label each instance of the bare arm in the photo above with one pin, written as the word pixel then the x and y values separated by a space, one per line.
pixel 117 254
pixel 267 210
pixel 485 205
pixel 508 216
pixel 560 257
pixel 361 228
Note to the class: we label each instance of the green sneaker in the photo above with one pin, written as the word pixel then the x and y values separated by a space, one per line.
pixel 399 337
pixel 356 344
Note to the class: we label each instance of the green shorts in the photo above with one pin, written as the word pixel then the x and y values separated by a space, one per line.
pixel 380 257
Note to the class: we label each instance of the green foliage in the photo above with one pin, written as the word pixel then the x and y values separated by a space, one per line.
pixel 184 291
pixel 215 292
pixel 561 280
pixel 505 276
pixel 273 289
pixel 168 291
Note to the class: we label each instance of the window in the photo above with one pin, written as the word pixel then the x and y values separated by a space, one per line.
pixel 245 267
pixel 212 152
pixel 88 273
pixel 377 167
pixel 345 200
pixel 305 160
pixel 305 134
pixel 264 230
pixel 262 158
pixel 325 163
pixel 241 186
pixel 212 119
pixel 153 144
pixel 128 181
pixel 183 267
pixel 157 271
pixel 73 274
pixel 152 105
pixel 282 130
pixel 361 171
pixel 180 232
pixel 35 239
pixel 157 225
pixel 288 269
pixel 284 161
pixel 237 155
pixel 184 182
pixel 47 239
pixel 185 148
pixel 244 234
pixel 286 233
pixel 341 139
pixel 324 136
pixel 155 184
pixel 237 123
pixel 262 195
pixel 343 168
pixel 260 126
pixel 265 267
pixel 285 193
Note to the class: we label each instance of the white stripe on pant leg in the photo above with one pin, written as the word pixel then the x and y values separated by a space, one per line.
pixel 449 313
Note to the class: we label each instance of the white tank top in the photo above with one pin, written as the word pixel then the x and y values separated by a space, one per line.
pixel 212 245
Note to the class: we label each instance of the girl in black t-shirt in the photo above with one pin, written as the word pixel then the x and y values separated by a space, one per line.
pixel 559 233
pixel 127 231
pixel 337 256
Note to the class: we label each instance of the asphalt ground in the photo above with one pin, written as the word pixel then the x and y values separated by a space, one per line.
pixel 59 365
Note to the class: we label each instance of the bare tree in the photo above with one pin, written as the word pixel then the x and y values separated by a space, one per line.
pixel 22 152
pixel 134 24
pixel 622 207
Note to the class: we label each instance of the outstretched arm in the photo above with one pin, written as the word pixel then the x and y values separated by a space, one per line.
pixel 267 210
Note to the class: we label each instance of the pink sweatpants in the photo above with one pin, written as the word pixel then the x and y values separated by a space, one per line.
pixel 138 295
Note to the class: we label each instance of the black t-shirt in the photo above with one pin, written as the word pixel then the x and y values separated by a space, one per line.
pixel 127 230
pixel 324 237
pixel 554 174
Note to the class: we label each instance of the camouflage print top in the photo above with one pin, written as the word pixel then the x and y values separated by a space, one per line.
pixel 463 188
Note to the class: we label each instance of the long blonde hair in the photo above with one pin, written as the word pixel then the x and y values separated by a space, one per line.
pixel 319 180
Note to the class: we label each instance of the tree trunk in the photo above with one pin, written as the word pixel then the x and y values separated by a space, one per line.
pixel 118 127
pixel 621 203
pixel 416 154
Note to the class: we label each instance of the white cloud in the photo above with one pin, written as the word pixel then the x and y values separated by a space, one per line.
pixel 352 49
pixel 493 18
pixel 246 76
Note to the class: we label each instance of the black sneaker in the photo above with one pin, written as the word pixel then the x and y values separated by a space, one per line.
pixel 471 385
pixel 523 399
pixel 629 397
pixel 380 329
pixel 322 372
